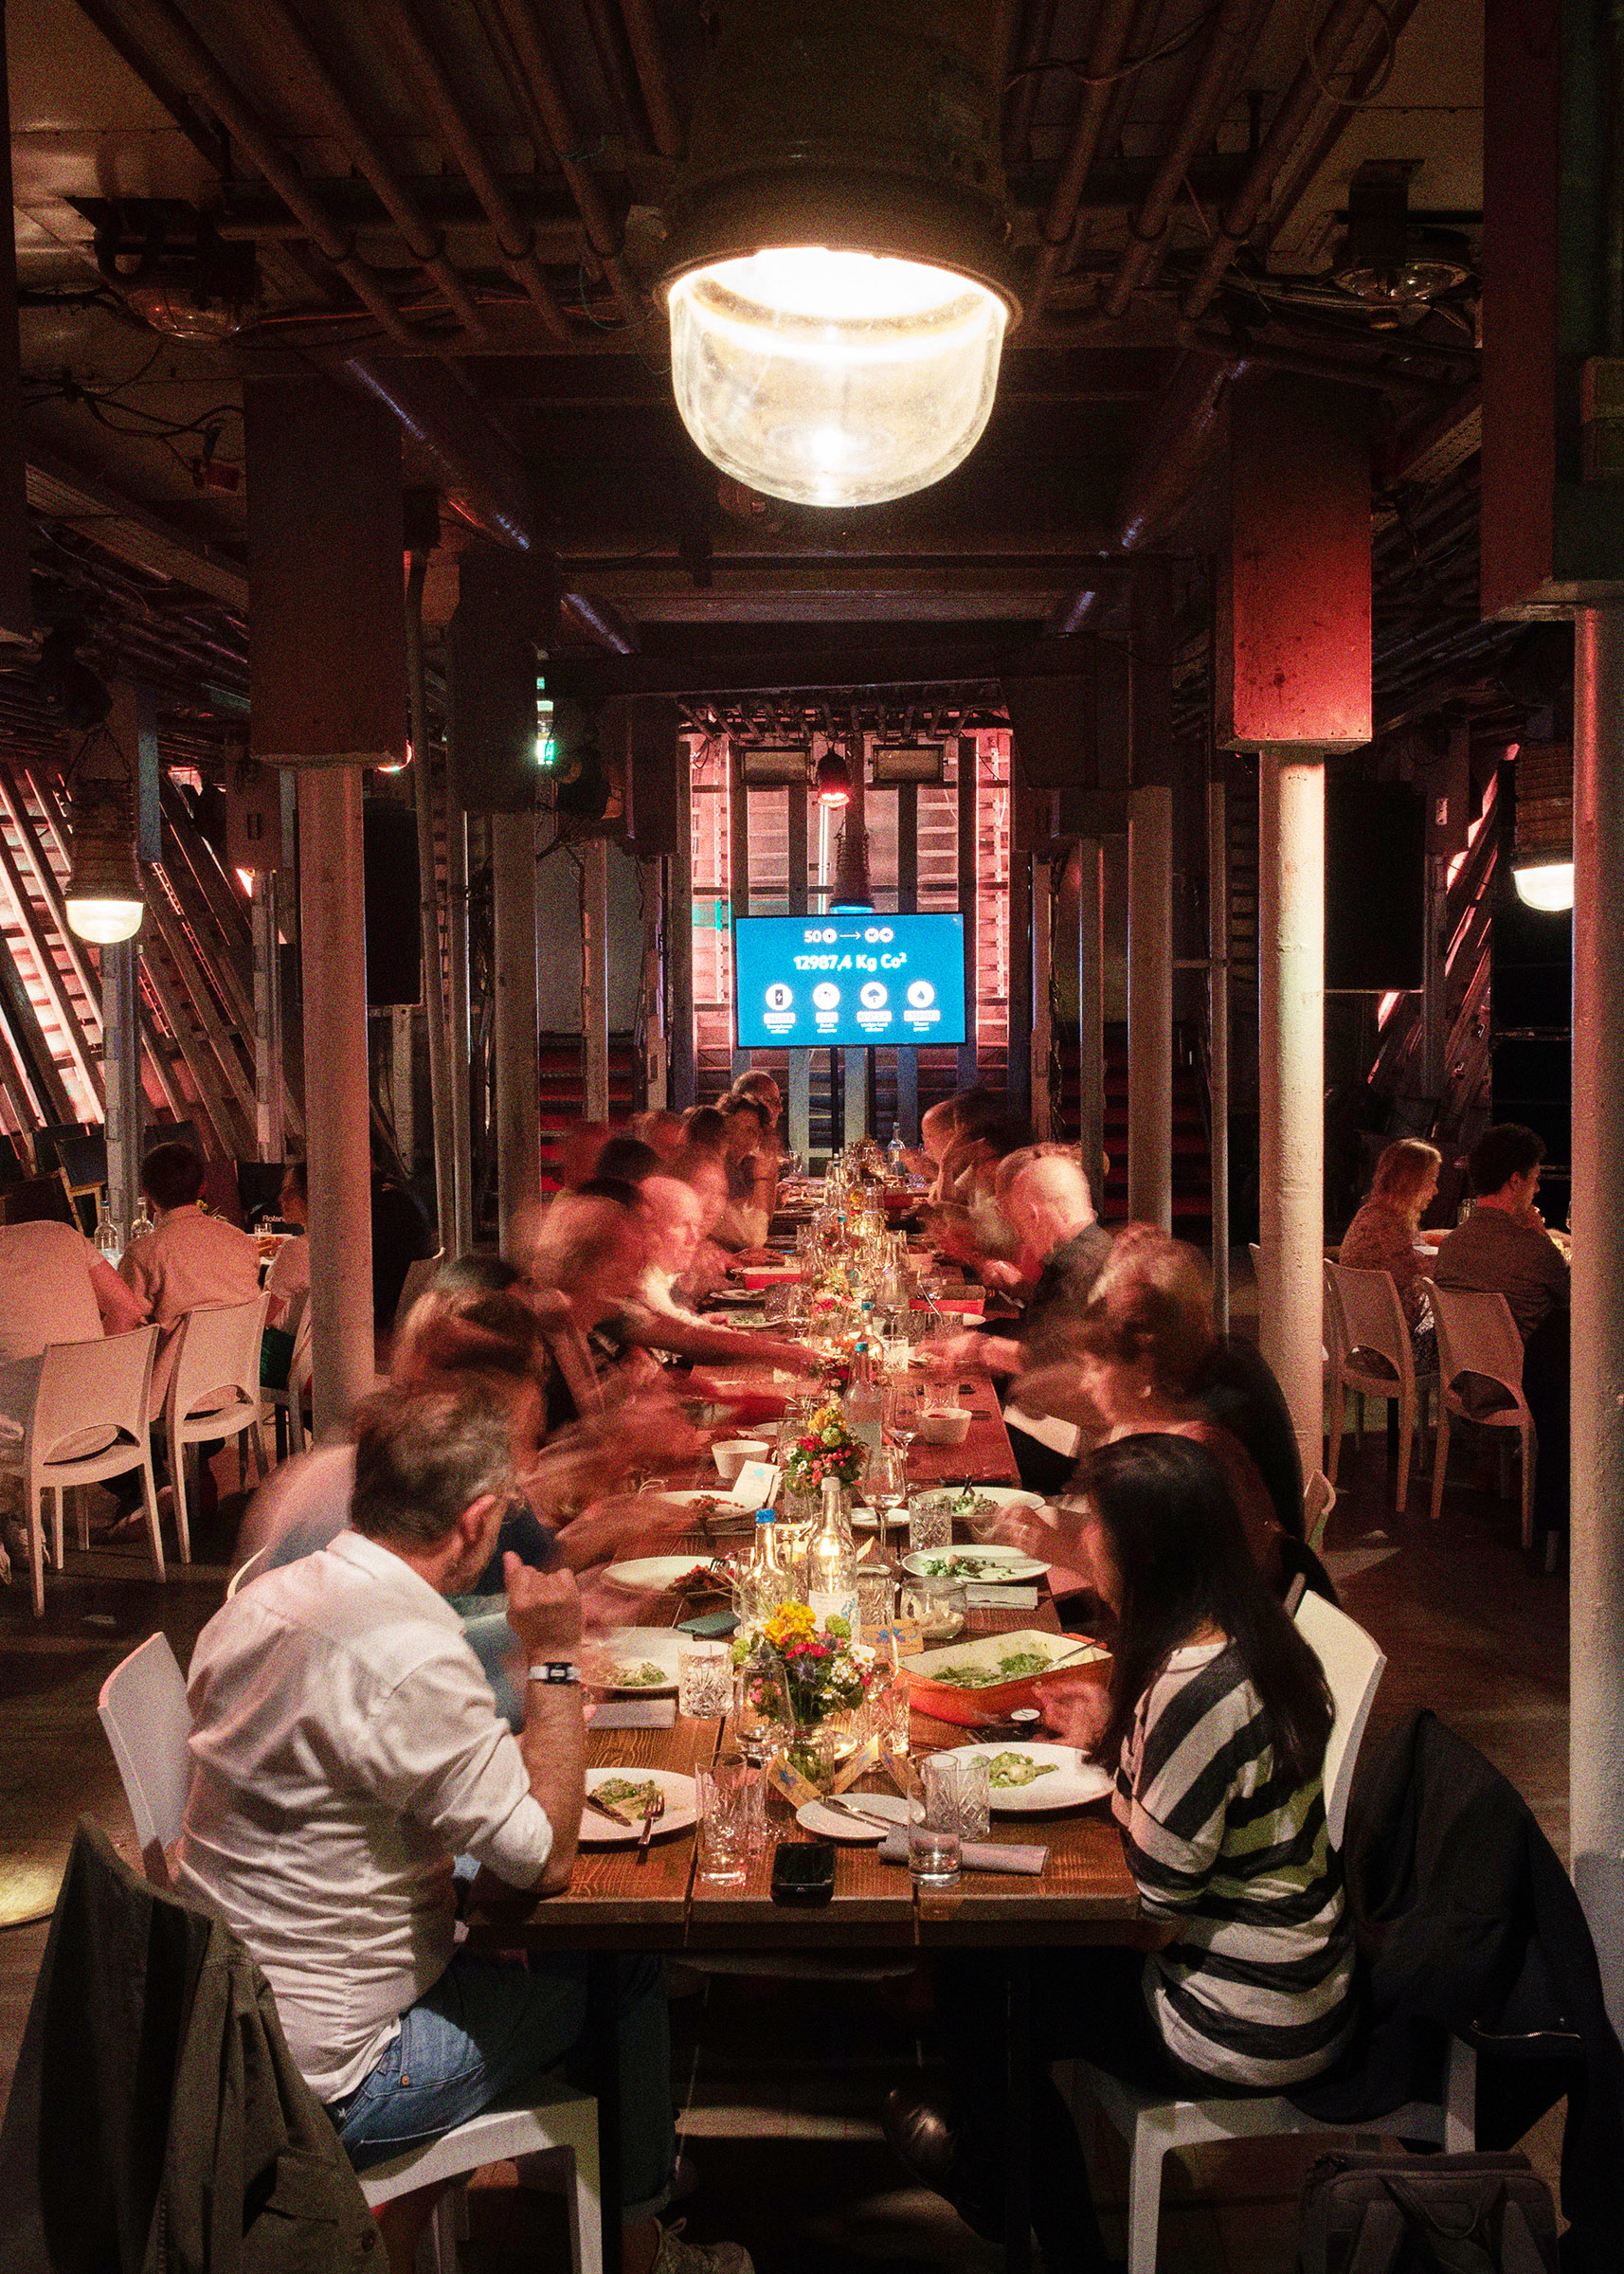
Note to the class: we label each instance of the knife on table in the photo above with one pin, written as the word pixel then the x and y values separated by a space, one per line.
pixel 849 1807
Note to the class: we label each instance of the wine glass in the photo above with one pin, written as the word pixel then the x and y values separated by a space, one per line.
pixel 903 1419
pixel 887 1483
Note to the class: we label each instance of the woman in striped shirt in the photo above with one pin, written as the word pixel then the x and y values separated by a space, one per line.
pixel 1216 1720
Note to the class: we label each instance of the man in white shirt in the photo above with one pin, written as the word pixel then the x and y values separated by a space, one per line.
pixel 188 1260
pixel 346 1749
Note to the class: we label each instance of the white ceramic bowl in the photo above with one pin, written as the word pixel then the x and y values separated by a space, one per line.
pixel 950 1425
pixel 732 1454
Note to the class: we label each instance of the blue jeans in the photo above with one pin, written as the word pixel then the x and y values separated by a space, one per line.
pixel 488 2033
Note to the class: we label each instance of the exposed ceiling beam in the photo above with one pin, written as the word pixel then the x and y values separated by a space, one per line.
pixel 131 532
pixel 904 660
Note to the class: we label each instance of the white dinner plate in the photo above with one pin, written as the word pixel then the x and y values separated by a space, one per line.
pixel 1011 1496
pixel 830 1824
pixel 652 1575
pixel 991 1566
pixel 681 1807
pixel 1068 1779
pixel 867 1520
pixel 633 1646
pixel 723 1498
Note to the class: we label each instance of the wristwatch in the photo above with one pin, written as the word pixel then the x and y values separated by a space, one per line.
pixel 560 1673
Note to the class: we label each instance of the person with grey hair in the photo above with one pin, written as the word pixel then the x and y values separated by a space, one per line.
pixel 345 1750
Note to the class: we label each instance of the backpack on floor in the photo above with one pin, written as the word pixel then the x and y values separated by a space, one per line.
pixel 1425 2214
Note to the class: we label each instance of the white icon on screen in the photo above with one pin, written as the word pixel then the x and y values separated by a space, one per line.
pixel 826 996
pixel 779 997
pixel 875 997
pixel 921 994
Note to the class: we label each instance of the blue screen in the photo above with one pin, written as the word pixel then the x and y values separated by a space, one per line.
pixel 849 980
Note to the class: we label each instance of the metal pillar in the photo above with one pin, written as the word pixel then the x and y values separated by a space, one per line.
pixel 1291 1017
pixel 798 1100
pixel 403 1116
pixel 429 890
pixel 595 974
pixel 1019 1007
pixel 679 933
pixel 519 1137
pixel 1042 961
pixel 332 937
pixel 1151 1006
pixel 1090 1012
pixel 1435 966
pixel 908 902
pixel 969 844
pixel 269 1131
pixel 122 1081
pixel 1218 1038
pixel 1596 1725
pixel 457 941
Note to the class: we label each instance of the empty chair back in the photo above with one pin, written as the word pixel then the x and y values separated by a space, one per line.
pixel 218 1363
pixel 144 1712
pixel 89 1390
pixel 1477 1335
pixel 1353 1665
pixel 249 1569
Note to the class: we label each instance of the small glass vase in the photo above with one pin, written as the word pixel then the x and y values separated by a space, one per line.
pixel 821 1749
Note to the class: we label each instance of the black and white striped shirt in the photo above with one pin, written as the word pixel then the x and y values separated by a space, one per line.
pixel 1257 1990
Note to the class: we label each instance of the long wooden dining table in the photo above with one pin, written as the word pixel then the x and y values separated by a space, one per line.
pixel 620 1901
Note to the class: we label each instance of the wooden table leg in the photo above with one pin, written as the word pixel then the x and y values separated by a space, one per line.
pixel 1017 2134
pixel 603 2041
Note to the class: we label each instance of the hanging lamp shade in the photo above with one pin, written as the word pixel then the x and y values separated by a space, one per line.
pixel 836 277
pixel 833 780
pixel 1542 856
pixel 104 898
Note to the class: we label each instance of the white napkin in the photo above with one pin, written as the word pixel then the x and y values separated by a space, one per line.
pixel 635 1713
pixel 975 1855
pixel 1060 1436
pixel 1001 1598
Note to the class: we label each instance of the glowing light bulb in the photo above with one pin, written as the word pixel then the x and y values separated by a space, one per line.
pixel 1546 885
pixel 104 923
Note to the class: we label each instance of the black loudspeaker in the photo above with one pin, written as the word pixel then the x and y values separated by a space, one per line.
pixel 652 726
pixel 1056 728
pixel 1376 886
pixel 394 911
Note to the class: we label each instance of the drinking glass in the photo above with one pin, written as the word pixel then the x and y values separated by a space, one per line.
pixel 902 1419
pixel 933 1838
pixel 888 1699
pixel 724 1797
pixel 930 1524
pixel 935 1606
pixel 875 1597
pixel 888 1485
pixel 704 1678
pixel 965 1789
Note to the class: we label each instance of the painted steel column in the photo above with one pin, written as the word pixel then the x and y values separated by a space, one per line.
pixel 1291 1017
pixel 679 933
pixel 1090 1013
pixel 518 1136
pixel 907 903
pixel 1435 968
pixel 402 1115
pixel 428 901
pixel 1218 1038
pixel 270 1133
pixel 333 936
pixel 1596 1725
pixel 595 974
pixel 797 1099
pixel 1151 1006
pixel 970 848
pixel 1018 981
pixel 122 1081
pixel 457 941
pixel 1042 964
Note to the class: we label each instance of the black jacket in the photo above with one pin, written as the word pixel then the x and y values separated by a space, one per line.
pixel 156 2119
pixel 1466 1922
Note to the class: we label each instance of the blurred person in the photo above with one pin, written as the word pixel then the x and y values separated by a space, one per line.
pixel 705 1131
pixel 627 1158
pixel 1214 1726
pixel 289 1275
pixel 402 1236
pixel 751 1158
pixel 1385 1235
pixel 1503 1249
pixel 764 1089
pixel 676 1215
pixel 340 1693
pixel 661 1130
pixel 578 1144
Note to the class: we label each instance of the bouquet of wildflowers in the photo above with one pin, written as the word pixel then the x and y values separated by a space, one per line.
pixel 824 1671
pixel 827 1448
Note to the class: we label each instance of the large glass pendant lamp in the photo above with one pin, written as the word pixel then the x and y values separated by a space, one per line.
pixel 1542 854
pixel 104 899
pixel 836 281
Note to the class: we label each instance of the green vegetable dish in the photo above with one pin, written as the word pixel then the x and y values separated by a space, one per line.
pixel 620 1794
pixel 956 1567
pixel 640 1673
pixel 1006 1772
pixel 1014 1667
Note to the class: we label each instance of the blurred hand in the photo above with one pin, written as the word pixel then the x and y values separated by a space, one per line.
pixel 1058 1389
pixel 951 1353
pixel 1032 1532
pixel 996 1272
pixel 544 1607
pixel 607 1525
pixel 1076 1711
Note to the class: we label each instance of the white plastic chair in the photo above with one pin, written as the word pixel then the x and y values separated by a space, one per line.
pixel 1153 2127
pixel 1375 1357
pixel 1478 1335
pixel 416 1282
pixel 143 1709
pixel 567 2120
pixel 1353 1664
pixel 214 1392
pixel 246 1571
pixel 1319 1499
pixel 87 1423
pixel 287 1404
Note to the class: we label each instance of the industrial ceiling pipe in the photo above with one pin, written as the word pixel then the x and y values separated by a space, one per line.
pixel 1306 167
pixel 1236 32
pixel 1105 55
pixel 547 91
pixel 295 56
pixel 648 58
pixel 1289 122
pixel 190 64
pixel 396 24
pixel 492 497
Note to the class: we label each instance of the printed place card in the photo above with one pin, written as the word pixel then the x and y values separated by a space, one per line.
pixel 756 1484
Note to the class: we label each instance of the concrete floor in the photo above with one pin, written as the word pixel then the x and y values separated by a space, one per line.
pixel 780 2090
